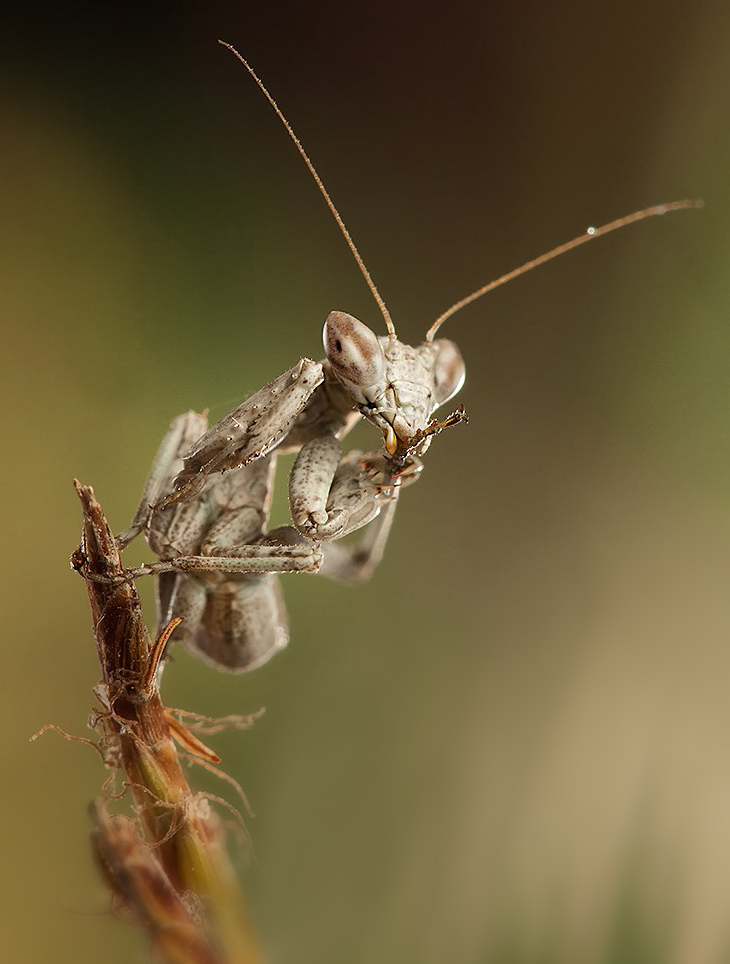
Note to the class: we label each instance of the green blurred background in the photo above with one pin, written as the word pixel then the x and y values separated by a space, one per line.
pixel 512 745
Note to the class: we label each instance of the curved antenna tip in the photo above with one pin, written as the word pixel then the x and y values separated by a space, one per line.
pixel 589 235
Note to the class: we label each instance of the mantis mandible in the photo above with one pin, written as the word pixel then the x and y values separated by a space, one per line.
pixel 205 505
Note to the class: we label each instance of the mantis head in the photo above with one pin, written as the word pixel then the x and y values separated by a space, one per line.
pixel 395 386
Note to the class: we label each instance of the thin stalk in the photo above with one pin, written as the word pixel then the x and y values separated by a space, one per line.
pixel 166 864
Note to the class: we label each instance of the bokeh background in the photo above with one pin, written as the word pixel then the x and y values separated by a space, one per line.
pixel 513 744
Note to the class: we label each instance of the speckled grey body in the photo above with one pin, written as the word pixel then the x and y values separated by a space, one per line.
pixel 205 505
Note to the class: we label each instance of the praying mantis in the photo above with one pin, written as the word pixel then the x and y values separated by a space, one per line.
pixel 205 506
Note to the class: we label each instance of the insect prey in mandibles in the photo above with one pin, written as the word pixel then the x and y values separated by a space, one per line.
pixel 205 506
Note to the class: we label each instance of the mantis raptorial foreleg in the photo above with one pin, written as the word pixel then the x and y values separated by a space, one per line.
pixel 364 490
pixel 357 562
pixel 331 496
pixel 249 432
pixel 310 483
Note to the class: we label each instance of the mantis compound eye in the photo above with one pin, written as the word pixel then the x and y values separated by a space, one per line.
pixel 354 353
pixel 449 370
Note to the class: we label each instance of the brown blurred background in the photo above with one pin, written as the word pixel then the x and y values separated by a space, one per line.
pixel 512 745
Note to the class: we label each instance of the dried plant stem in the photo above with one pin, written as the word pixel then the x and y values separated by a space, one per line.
pixel 166 865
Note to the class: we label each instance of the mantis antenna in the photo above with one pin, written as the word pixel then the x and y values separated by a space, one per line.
pixel 590 235
pixel 318 180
